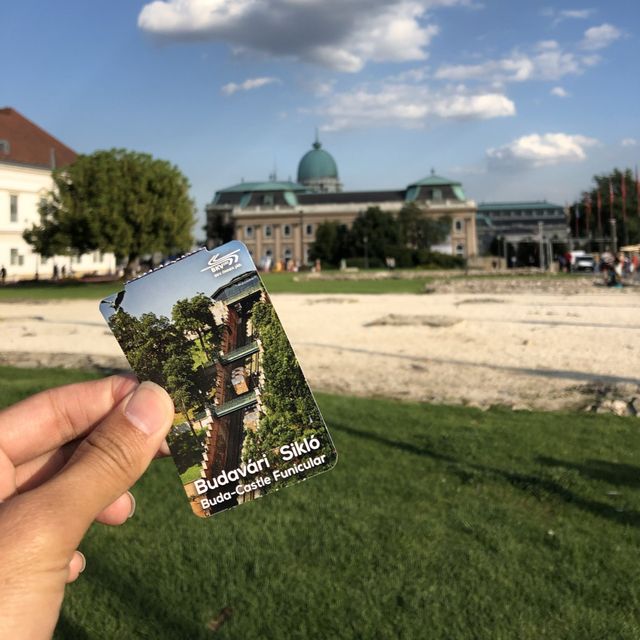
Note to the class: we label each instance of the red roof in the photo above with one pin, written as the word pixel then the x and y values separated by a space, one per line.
pixel 23 142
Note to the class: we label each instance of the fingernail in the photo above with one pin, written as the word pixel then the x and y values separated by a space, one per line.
pixel 84 561
pixel 133 504
pixel 147 409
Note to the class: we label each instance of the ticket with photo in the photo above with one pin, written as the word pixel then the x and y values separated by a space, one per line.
pixel 246 423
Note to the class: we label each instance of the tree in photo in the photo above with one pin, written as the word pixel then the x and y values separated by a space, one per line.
pixel 289 410
pixel 117 201
pixel 194 316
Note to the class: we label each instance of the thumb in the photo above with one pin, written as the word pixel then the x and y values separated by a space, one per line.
pixel 108 461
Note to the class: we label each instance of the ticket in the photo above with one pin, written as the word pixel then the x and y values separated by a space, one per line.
pixel 246 423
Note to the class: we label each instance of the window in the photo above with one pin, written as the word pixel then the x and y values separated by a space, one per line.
pixel 309 230
pixel 267 200
pixel 269 253
pixel 248 232
pixel 13 207
pixel 98 256
pixel 437 194
pixel 5 147
pixel 459 249
pixel 16 259
pixel 459 225
pixel 268 230
pixel 287 253
pixel 286 230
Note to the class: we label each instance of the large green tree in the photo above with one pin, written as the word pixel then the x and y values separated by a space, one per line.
pixel 117 201
pixel 417 231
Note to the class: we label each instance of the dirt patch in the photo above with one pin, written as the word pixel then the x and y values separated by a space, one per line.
pixel 576 348
pixel 393 320
pixel 341 300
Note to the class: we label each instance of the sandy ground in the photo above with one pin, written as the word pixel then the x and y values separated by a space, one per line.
pixel 525 350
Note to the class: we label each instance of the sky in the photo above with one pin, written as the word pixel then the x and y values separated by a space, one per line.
pixel 517 100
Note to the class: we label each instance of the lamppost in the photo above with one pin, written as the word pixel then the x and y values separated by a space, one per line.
pixel 366 251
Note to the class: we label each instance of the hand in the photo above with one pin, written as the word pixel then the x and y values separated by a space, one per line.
pixel 67 458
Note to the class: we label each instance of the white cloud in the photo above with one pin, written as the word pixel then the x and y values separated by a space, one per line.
pixel 580 14
pixel 410 106
pixel 547 61
pixel 567 14
pixel 629 142
pixel 339 34
pixel 559 92
pixel 600 37
pixel 537 150
pixel 249 84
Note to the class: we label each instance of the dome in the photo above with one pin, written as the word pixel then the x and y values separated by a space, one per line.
pixel 317 164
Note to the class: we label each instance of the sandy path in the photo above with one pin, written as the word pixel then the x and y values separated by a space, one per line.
pixel 543 351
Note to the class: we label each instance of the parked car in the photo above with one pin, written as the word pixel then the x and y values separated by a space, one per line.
pixel 582 261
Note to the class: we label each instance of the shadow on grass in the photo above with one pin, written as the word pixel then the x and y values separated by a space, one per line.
pixel 533 485
pixel 615 473
pixel 141 605
pixel 68 630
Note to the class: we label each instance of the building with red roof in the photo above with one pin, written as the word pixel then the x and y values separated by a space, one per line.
pixel 28 155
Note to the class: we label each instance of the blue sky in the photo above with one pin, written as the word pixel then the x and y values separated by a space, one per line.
pixel 517 100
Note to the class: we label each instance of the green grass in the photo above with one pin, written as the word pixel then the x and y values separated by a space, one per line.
pixel 438 523
pixel 285 283
pixel 275 283
pixel 191 474
pixel 68 290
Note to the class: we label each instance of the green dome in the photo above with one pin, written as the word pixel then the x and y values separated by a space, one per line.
pixel 317 164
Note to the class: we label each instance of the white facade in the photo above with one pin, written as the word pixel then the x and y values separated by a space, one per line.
pixel 21 189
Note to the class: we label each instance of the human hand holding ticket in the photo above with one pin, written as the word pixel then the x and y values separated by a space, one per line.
pixel 67 458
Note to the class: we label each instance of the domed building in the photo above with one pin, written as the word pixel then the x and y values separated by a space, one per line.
pixel 318 170
pixel 278 220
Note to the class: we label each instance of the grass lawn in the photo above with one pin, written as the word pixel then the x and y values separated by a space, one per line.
pixel 191 474
pixel 275 283
pixel 437 523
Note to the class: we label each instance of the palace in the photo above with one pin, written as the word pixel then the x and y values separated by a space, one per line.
pixel 278 220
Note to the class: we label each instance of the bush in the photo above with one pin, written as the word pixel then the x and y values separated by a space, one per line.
pixel 359 263
pixel 434 259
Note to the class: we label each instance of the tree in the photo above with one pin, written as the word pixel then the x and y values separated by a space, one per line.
pixel 117 201
pixel 588 223
pixel 377 229
pixel 331 243
pixel 416 231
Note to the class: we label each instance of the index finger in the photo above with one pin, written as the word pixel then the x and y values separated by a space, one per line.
pixel 54 417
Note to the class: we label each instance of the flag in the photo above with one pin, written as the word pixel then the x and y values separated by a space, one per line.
pixel 637 193
pixel 587 207
pixel 623 195
pixel 610 198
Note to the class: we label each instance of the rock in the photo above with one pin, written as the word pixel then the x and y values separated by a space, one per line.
pixel 620 408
